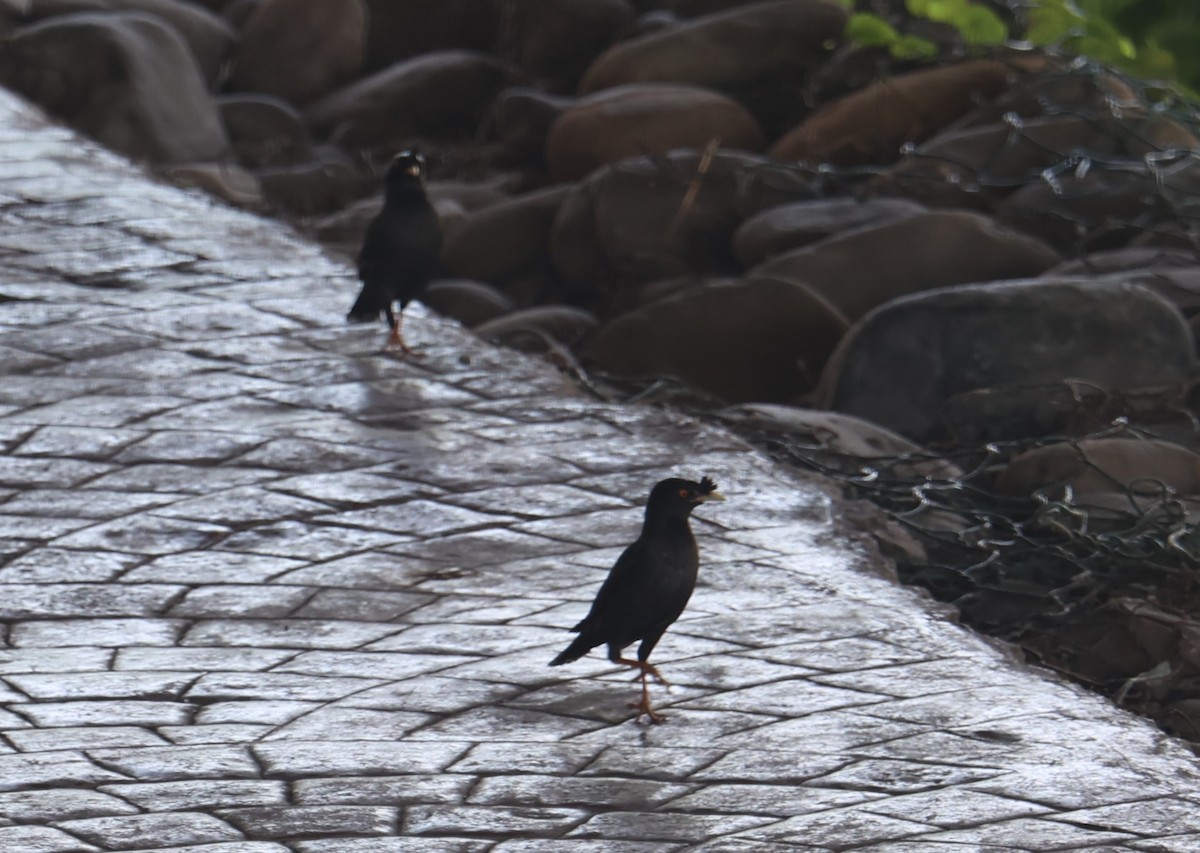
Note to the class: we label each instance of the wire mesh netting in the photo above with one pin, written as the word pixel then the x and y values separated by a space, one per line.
pixel 1092 573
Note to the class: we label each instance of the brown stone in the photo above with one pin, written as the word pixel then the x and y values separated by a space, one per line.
pixel 402 29
pixel 1076 214
pixel 503 239
pixel 469 302
pixel 860 270
pixel 870 125
pixel 312 188
pixel 1102 465
pixel 758 339
pixel 300 50
pixel 438 96
pixel 626 121
pixel 793 226
pixel 725 49
pixel 528 328
pixel 628 223
pixel 265 131
pixel 556 40
pixel 522 117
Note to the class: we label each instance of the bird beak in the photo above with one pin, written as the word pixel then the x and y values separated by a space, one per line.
pixel 711 496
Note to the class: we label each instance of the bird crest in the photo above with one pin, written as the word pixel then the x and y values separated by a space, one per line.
pixel 410 162
pixel 707 486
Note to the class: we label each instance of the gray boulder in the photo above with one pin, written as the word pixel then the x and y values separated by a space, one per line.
pixel 900 362
pixel 265 131
pixel 438 96
pixel 209 37
pixel 126 79
pixel 556 40
pixel 1173 273
pixel 300 50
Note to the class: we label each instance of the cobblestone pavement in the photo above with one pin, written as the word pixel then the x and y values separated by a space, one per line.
pixel 267 590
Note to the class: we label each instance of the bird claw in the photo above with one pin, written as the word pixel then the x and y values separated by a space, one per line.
pixel 644 710
pixel 399 344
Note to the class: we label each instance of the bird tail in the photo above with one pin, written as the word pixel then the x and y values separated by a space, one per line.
pixel 579 647
pixel 365 308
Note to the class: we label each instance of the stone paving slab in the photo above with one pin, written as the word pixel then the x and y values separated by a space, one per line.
pixel 265 589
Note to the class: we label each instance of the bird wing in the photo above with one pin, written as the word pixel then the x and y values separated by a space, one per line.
pixel 400 253
pixel 620 585
pixel 642 591
pixel 402 243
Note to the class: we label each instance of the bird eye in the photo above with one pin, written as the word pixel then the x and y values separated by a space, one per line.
pixel 683 493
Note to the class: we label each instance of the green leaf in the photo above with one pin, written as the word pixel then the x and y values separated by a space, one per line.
pixel 1153 39
pixel 942 11
pixel 871 31
pixel 1049 25
pixel 912 47
pixel 980 25
pixel 976 24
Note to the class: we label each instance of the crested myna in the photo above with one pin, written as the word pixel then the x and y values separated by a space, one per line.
pixel 648 587
pixel 401 248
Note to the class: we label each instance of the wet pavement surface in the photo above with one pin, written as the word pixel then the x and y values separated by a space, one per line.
pixel 265 589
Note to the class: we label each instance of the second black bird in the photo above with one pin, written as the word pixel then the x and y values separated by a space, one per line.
pixel 401 249
pixel 649 586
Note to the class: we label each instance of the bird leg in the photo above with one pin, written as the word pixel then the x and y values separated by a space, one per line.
pixel 644 668
pixel 643 706
pixel 396 339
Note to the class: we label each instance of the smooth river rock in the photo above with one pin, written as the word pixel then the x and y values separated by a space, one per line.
pixel 124 78
pixel 300 50
pixel 862 269
pixel 626 121
pixel 897 365
pixel 724 49
pixel 758 339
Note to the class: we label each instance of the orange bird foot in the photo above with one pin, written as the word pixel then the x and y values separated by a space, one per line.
pixel 644 710
pixel 396 341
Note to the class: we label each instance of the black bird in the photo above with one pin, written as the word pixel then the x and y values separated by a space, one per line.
pixel 401 248
pixel 649 586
